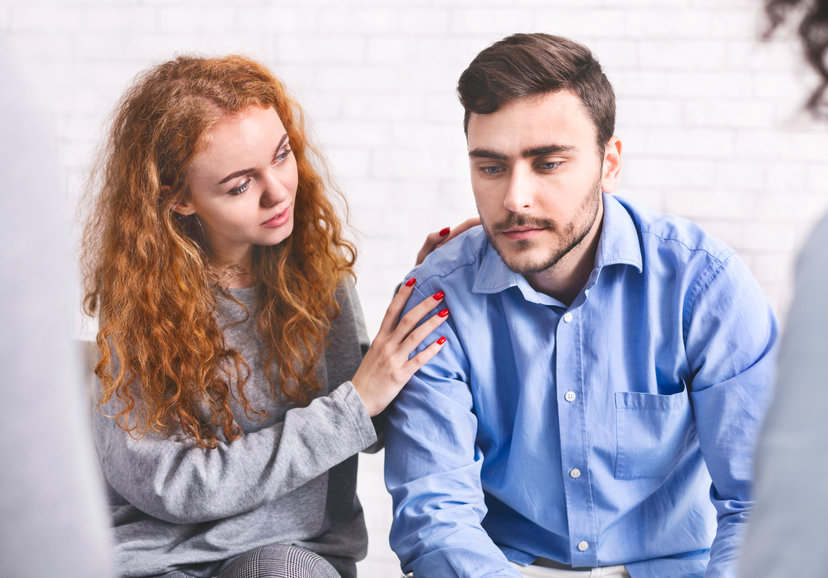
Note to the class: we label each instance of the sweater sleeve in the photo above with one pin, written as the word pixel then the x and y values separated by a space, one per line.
pixel 171 478
pixel 174 479
pixel 785 529
pixel 347 344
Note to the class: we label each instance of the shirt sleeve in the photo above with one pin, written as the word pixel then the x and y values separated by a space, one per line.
pixel 432 470
pixel 731 335
pixel 786 526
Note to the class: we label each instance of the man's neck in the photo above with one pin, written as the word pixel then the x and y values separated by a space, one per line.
pixel 565 279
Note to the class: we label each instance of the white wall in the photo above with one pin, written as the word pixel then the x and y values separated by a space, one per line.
pixel 708 114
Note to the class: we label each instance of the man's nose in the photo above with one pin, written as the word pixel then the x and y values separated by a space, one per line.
pixel 520 193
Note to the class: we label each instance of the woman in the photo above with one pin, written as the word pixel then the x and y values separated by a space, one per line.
pixel 234 395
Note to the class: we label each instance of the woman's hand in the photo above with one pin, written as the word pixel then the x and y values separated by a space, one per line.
pixel 386 367
pixel 434 240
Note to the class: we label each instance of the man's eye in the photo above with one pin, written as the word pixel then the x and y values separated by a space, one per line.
pixel 549 166
pixel 491 170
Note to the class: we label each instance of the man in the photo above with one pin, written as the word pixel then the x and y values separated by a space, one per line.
pixel 786 535
pixel 597 400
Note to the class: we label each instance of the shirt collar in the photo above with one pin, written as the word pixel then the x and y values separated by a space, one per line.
pixel 493 276
pixel 619 245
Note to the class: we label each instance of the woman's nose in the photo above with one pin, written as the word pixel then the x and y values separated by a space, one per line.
pixel 274 191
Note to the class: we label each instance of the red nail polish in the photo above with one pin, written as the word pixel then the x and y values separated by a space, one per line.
pixel 410 282
pixel 443 313
pixel 445 232
pixel 441 341
pixel 439 295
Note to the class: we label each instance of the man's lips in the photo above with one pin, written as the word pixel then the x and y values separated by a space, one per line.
pixel 278 219
pixel 518 234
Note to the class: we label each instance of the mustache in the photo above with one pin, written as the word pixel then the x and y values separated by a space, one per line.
pixel 515 220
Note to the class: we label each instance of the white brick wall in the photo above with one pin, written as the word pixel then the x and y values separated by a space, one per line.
pixel 708 114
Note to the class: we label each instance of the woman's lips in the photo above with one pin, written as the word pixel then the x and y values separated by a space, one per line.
pixel 278 219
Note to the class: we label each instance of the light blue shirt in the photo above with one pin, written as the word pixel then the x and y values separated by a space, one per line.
pixel 587 434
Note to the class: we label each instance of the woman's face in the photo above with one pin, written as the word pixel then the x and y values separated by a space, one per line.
pixel 242 185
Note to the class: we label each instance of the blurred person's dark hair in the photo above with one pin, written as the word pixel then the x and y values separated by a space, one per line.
pixel 812 18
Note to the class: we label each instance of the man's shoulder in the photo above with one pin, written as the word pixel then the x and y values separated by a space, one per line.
pixel 456 262
pixel 678 236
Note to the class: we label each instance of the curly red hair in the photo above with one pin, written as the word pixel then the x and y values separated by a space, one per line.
pixel 147 271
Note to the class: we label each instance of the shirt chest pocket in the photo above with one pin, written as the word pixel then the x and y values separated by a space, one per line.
pixel 653 432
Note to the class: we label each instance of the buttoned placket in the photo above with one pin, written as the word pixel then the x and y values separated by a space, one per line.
pixel 574 442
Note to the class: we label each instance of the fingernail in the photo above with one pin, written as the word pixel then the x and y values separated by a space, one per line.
pixel 410 282
pixel 445 232
pixel 441 341
pixel 443 313
pixel 439 295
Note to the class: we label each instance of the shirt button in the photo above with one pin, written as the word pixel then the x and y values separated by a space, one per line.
pixel 575 473
pixel 567 317
pixel 569 396
pixel 582 546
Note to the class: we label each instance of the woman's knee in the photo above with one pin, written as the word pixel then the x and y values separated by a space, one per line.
pixel 279 561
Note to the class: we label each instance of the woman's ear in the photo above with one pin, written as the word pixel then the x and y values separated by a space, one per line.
pixel 182 207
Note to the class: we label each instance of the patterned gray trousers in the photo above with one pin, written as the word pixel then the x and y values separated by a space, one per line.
pixel 277 561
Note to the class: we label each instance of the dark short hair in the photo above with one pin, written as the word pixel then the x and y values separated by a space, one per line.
pixel 523 65
pixel 812 19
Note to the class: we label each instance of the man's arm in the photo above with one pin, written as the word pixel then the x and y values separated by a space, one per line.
pixel 731 337
pixel 432 469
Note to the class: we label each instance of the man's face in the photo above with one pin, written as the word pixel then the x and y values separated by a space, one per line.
pixel 537 175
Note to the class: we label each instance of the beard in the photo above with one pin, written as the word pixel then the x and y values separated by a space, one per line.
pixel 522 256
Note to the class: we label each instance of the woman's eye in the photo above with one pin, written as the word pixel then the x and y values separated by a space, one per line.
pixel 283 154
pixel 240 189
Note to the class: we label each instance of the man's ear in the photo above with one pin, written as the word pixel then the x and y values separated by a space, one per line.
pixel 611 166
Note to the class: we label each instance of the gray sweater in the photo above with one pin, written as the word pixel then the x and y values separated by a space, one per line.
pixel 786 532
pixel 291 479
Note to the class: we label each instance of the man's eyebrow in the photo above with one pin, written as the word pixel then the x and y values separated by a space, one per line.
pixel 546 150
pixel 243 172
pixel 487 154
pixel 528 153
